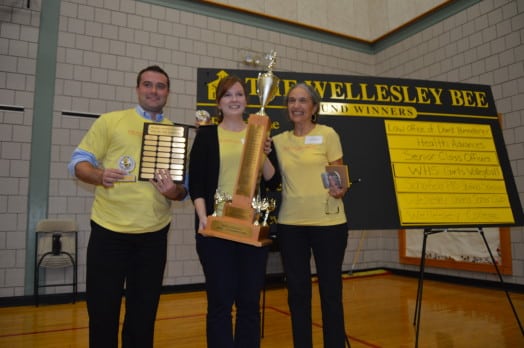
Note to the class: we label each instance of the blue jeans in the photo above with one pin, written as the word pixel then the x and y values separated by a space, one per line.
pixel 115 259
pixel 328 244
pixel 235 275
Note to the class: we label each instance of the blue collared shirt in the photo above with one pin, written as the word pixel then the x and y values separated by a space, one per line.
pixel 147 115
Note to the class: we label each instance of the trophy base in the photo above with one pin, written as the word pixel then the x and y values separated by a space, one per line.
pixel 236 230
pixel 128 178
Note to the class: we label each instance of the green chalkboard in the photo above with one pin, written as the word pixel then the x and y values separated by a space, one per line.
pixel 420 153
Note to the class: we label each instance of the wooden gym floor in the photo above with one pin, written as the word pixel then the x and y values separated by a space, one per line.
pixel 379 308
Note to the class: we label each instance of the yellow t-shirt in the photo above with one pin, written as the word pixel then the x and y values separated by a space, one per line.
pixel 231 145
pixel 128 207
pixel 302 160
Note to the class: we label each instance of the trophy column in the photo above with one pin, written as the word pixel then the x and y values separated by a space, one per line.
pixel 239 221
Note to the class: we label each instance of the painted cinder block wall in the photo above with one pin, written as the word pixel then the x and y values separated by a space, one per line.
pixel 102 44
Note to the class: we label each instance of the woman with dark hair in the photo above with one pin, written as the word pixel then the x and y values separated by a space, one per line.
pixel 234 272
pixel 311 218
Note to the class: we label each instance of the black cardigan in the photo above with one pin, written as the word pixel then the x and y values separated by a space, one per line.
pixel 204 166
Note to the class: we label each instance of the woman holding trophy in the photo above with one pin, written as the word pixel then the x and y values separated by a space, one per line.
pixel 311 219
pixel 234 272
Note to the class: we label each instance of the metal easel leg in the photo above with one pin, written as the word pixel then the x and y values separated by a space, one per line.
pixel 418 302
pixel 481 231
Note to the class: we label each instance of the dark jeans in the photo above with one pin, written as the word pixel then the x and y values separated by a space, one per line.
pixel 115 259
pixel 235 275
pixel 328 244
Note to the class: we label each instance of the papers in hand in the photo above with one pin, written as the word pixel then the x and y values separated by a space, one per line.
pixel 338 174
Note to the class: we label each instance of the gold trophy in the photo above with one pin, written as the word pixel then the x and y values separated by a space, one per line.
pixel 203 118
pixel 240 216
pixel 267 85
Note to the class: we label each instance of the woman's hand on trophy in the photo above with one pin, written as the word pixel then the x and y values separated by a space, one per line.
pixel 202 223
pixel 267 146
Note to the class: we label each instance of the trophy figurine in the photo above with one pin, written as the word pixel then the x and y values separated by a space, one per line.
pixel 270 206
pixel 257 205
pixel 219 198
pixel 267 85
pixel 240 215
pixel 203 118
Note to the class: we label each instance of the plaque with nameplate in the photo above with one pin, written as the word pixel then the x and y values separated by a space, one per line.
pixel 164 146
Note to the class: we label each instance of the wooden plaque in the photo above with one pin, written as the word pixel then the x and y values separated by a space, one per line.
pixel 163 146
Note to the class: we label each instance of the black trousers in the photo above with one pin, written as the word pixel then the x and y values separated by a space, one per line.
pixel 328 244
pixel 115 259
pixel 235 275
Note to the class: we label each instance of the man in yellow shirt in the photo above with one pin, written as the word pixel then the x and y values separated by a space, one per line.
pixel 130 219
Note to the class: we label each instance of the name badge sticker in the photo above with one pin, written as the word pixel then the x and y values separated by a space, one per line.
pixel 314 139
